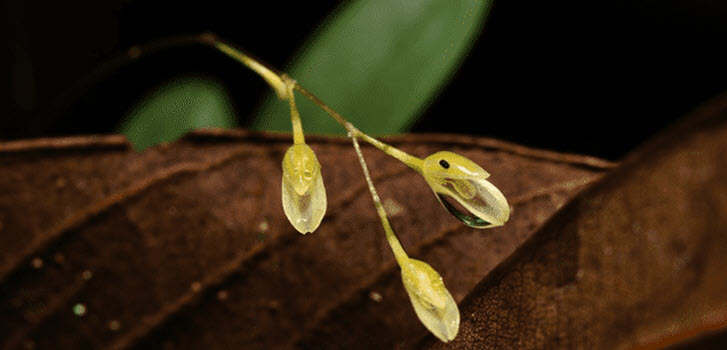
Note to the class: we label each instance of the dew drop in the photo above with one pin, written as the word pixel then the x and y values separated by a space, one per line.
pixel 196 286
pixel 114 325
pixel 392 207
pixel 263 226
pixel 222 295
pixel 37 263
pixel 376 296
pixel 79 309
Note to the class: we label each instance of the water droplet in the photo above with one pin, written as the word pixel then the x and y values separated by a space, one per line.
pixel 376 296
pixel 114 325
pixel 37 263
pixel 196 286
pixel 87 275
pixel 263 226
pixel 222 295
pixel 392 207
pixel 79 309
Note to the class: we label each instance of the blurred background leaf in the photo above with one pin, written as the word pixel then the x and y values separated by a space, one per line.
pixel 537 71
pixel 177 107
pixel 379 63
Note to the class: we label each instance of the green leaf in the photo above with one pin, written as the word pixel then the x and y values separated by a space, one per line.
pixel 379 63
pixel 177 107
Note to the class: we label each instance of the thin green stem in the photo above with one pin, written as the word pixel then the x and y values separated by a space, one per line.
pixel 298 136
pixel 412 161
pixel 401 257
pixel 273 79
pixel 281 84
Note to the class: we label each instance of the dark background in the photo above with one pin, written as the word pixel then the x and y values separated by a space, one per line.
pixel 580 76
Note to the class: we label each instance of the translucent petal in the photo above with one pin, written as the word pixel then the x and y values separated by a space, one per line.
pixel 303 193
pixel 462 188
pixel 432 302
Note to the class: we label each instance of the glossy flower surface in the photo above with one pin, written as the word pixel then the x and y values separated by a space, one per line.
pixel 462 188
pixel 304 196
pixel 432 302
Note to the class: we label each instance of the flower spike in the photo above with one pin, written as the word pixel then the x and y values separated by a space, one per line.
pixel 459 184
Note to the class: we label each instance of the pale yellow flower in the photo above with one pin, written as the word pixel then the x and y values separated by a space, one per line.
pixel 478 203
pixel 432 302
pixel 303 193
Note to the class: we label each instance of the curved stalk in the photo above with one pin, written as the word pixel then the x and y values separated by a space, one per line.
pixel 283 85
pixel 401 257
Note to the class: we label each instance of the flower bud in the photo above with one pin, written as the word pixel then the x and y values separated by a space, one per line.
pixel 432 302
pixel 304 196
pixel 462 188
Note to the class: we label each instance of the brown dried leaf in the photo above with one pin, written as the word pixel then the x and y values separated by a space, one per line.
pixel 637 260
pixel 186 246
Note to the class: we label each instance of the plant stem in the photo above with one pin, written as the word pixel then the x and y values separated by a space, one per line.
pixel 298 136
pixel 273 79
pixel 281 84
pixel 412 161
pixel 401 257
